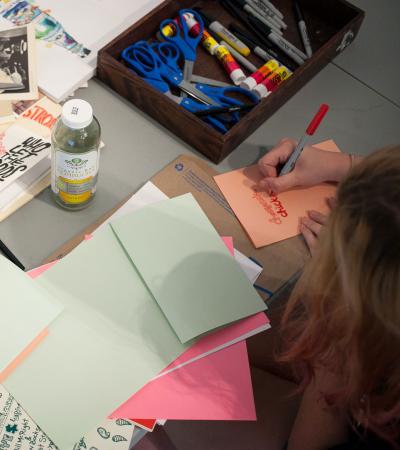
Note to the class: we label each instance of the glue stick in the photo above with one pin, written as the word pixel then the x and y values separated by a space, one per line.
pixel 272 82
pixel 192 24
pixel 214 48
pixel 169 30
pixel 231 66
pixel 259 75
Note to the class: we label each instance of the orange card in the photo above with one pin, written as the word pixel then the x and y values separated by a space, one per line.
pixel 269 219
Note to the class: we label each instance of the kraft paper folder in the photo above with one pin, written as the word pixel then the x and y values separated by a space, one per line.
pixel 120 344
pixel 281 261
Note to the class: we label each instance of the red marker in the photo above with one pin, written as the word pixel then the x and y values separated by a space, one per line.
pixel 314 124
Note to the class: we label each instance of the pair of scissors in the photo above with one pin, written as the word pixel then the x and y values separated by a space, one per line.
pixel 186 43
pixel 159 63
pixel 226 96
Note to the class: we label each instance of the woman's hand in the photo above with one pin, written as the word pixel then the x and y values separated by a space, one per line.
pixel 313 167
pixel 312 224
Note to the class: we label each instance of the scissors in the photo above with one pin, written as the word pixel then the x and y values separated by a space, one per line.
pixel 144 60
pixel 158 62
pixel 187 44
pixel 225 96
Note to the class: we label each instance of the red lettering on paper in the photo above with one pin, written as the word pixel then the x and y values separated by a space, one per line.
pixel 41 116
pixel 272 206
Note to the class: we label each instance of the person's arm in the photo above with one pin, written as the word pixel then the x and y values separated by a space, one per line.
pixel 317 426
pixel 313 167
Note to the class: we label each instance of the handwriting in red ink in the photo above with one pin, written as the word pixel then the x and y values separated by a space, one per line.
pixel 272 206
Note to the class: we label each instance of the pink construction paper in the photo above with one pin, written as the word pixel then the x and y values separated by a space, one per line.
pixel 224 370
pixel 217 387
pixel 34 273
pixel 228 241
pixel 231 334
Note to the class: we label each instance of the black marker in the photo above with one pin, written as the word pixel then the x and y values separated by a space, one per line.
pixel 302 28
pixel 259 33
pixel 279 41
pixel 222 110
pixel 253 45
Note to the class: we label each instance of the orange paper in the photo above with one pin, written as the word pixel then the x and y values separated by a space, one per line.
pixel 269 219
pixel 18 360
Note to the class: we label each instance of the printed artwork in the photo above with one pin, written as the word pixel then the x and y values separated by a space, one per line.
pixel 20 149
pixel 14 61
pixel 19 432
pixel 112 434
pixel 17 429
pixel 47 28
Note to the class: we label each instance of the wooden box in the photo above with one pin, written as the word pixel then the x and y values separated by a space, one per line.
pixel 332 25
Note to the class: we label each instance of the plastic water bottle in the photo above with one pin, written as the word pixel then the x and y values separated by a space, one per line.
pixel 75 155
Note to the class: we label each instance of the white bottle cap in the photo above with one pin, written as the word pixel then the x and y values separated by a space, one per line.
pixel 261 91
pixel 249 83
pixel 237 76
pixel 77 114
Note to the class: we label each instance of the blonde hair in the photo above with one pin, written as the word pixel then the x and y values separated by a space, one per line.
pixel 344 313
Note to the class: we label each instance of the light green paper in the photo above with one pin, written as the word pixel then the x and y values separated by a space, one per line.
pixel 25 311
pixel 111 339
pixel 187 267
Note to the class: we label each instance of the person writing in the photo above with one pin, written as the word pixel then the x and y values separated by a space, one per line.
pixel 342 322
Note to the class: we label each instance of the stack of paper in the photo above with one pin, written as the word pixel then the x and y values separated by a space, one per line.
pixel 34 123
pixel 70 34
pixel 121 324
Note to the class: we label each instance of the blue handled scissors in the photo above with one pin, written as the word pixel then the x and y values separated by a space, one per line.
pixel 140 63
pixel 186 43
pixel 160 61
pixel 148 70
pixel 223 95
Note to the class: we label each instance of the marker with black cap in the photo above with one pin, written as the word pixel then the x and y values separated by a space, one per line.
pixel 275 53
pixel 297 55
pixel 302 28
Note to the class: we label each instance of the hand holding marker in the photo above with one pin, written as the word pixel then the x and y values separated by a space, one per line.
pixel 314 124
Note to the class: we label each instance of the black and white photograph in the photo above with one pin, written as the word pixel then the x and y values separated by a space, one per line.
pixel 17 64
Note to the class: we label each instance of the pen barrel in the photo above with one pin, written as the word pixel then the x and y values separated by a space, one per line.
pixel 239 58
pixel 282 44
pixel 305 38
pixel 291 162
pixel 230 38
pixel 315 123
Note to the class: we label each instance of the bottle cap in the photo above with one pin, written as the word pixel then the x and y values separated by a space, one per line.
pixel 237 76
pixel 261 91
pixel 249 83
pixel 77 114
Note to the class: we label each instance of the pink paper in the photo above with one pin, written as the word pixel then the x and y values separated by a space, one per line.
pixel 34 273
pixel 228 241
pixel 269 219
pixel 214 388
pixel 227 392
pixel 236 332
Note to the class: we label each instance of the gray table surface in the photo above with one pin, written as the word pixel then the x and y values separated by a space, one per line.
pixel 364 116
